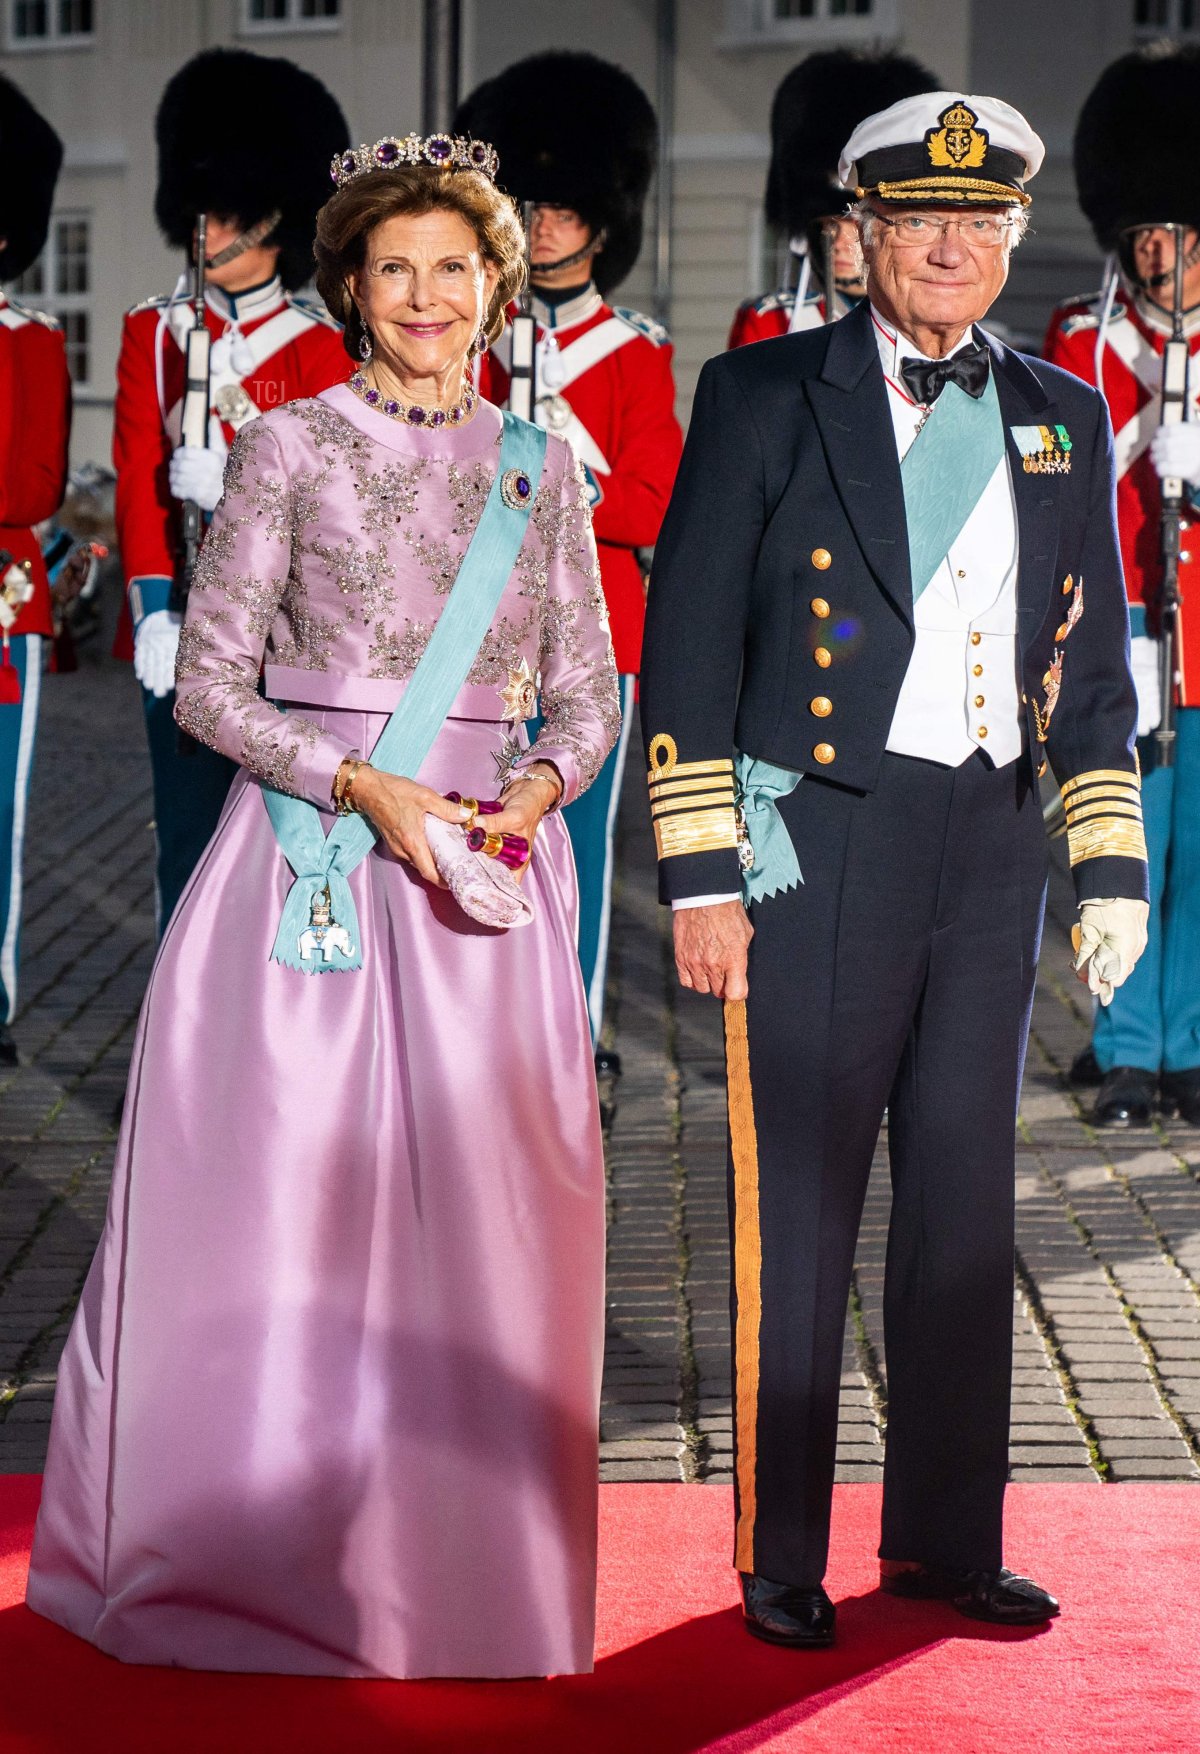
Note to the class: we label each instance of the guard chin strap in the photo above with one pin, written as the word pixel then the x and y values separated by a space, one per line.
pixel 593 244
pixel 248 240
pixel 1147 283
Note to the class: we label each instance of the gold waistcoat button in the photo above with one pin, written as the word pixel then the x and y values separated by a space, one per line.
pixel 822 706
pixel 824 753
pixel 979 700
pixel 820 608
pixel 983 730
pixel 823 657
pixel 822 559
pixel 975 638
pixel 977 670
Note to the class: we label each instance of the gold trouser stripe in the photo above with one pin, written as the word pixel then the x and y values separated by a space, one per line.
pixel 747 1273
pixel 1101 776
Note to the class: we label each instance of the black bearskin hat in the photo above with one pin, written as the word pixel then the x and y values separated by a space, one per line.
pixel 243 134
pixel 33 153
pixel 817 107
pixel 1136 161
pixel 572 131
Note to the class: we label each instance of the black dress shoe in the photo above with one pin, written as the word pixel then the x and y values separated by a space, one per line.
pixel 1000 1597
pixel 782 1613
pixel 1085 1071
pixel 1126 1098
pixel 608 1063
pixel 8 1048
pixel 1181 1095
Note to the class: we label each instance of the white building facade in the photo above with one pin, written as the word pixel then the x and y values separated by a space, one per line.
pixel 96 69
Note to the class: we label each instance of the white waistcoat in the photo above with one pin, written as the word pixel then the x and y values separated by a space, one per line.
pixel 960 691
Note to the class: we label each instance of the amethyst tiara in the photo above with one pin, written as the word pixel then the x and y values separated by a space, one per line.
pixel 445 152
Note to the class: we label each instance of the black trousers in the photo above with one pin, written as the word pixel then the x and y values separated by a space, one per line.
pixel 899 976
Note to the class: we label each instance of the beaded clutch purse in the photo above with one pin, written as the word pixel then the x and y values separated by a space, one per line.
pixel 482 886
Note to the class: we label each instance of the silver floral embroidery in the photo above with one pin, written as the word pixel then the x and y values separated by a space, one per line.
pixel 390 494
pixel 438 559
pixel 469 489
pixel 397 653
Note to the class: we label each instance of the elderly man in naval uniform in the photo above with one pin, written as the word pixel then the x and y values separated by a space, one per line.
pixel 887 591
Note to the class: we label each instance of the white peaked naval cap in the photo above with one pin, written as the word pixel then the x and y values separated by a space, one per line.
pixel 945 150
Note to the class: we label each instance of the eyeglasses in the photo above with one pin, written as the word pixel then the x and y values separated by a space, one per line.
pixel 980 231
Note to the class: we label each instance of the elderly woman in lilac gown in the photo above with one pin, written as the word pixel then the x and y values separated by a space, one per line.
pixel 329 1404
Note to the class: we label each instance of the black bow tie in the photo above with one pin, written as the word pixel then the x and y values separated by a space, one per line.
pixel 927 378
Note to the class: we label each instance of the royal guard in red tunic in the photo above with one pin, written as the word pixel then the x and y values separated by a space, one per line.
pixel 35 423
pixel 260 184
pixel 576 138
pixel 1138 172
pixel 817 107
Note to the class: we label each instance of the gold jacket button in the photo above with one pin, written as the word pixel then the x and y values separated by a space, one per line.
pixel 983 730
pixel 820 608
pixel 975 638
pixel 821 707
pixel 979 700
pixel 1068 588
pixel 824 753
pixel 823 657
pixel 822 559
pixel 977 670
pixel 1062 631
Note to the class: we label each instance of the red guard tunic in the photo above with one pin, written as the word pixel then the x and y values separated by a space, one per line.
pixel 761 319
pixel 269 347
pixel 1132 384
pixel 35 424
pixel 604 382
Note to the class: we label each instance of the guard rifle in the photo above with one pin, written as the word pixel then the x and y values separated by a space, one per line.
pixel 522 375
pixel 1174 410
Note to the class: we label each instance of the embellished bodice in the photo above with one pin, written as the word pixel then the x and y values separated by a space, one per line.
pixel 334 550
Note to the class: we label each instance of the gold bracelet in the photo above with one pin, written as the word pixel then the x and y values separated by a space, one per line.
pixel 526 774
pixel 344 798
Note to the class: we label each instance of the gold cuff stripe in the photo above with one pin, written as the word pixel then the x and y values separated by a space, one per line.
pixel 747 1274
pixel 1101 808
pixel 1107 776
pixel 696 831
pixel 681 806
pixel 1101 795
pixel 682 770
pixel 1108 838
pixel 932 188
pixel 672 788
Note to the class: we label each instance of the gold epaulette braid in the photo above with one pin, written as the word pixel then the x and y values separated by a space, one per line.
pixel 691 802
pixel 1104 815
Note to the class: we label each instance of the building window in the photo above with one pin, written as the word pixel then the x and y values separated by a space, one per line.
pixel 770 23
pixel 34 24
pixel 277 16
pixel 1166 18
pixel 60 283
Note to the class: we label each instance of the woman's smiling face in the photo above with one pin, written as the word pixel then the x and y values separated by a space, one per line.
pixel 423 291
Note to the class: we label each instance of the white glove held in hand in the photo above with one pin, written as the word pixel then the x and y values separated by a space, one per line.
pixel 1109 938
pixel 1175 450
pixel 1144 665
pixel 197 475
pixel 154 647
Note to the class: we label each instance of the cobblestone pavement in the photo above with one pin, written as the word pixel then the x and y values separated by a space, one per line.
pixel 1107 1297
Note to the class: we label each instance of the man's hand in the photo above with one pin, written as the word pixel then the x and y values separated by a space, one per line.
pixel 1175 451
pixel 198 475
pixel 710 948
pixel 155 645
pixel 1108 940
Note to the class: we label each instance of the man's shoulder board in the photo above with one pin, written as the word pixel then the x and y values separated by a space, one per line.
pixel 148 304
pixel 310 307
pixel 642 325
pixel 1082 314
pixel 784 300
pixel 28 313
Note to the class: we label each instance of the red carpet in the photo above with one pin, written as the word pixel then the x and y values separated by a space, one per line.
pixel 1120 1671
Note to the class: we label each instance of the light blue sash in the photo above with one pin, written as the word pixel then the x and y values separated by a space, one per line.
pixel 775 867
pixel 944 472
pixel 323 861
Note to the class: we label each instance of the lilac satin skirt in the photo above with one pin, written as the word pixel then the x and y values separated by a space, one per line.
pixel 329 1405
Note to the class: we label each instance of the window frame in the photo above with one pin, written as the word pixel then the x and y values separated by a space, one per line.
pixel 751 24
pixel 292 25
pixel 62 304
pixel 54 39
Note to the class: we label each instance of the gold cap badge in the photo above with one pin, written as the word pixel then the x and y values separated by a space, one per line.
pixel 958 143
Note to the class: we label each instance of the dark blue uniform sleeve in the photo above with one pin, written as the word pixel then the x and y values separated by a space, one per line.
pixel 695 635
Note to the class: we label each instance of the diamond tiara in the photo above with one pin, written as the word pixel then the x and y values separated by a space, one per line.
pixel 445 152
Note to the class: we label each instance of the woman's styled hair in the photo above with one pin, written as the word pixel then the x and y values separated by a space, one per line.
pixel 345 224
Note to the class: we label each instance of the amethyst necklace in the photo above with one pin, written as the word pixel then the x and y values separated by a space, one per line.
pixel 412 413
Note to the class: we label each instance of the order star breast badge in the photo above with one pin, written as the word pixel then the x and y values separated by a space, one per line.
pixel 520 694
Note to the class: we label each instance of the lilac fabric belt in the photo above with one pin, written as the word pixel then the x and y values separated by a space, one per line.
pixel 370 694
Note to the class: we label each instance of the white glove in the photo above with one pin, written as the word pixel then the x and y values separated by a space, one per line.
pixel 154 647
pixel 198 475
pixel 1175 450
pixel 1108 940
pixel 1143 662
